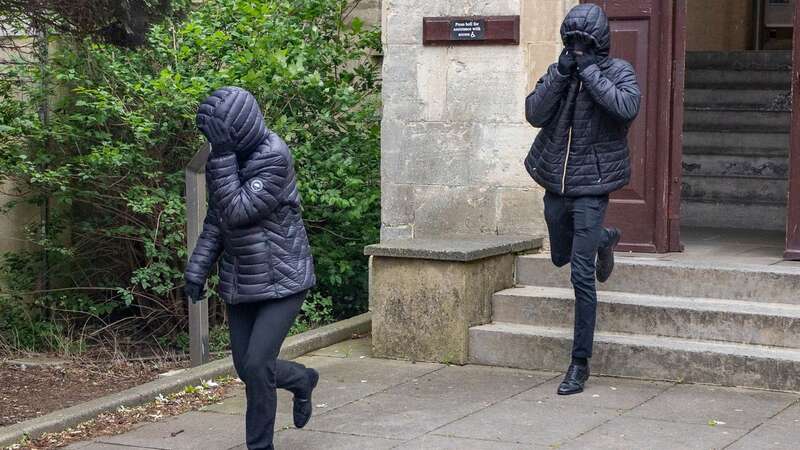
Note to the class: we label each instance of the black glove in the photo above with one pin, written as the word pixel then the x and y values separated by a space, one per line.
pixel 585 53
pixel 196 292
pixel 586 59
pixel 566 63
pixel 219 136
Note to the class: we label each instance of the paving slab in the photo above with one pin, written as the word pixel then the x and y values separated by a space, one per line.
pixel 636 432
pixel 190 431
pixel 600 392
pixel 345 380
pixel 306 439
pixel 698 404
pixel 779 432
pixel 302 439
pixel 433 442
pixel 469 383
pixel 529 422
pixel 342 381
pixel 789 417
pixel 769 437
pixel 237 404
pixel 393 416
pixel 383 372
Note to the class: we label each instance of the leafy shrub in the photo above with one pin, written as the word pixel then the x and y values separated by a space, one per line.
pixel 109 161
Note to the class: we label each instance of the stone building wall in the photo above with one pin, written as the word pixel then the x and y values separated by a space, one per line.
pixel 719 25
pixel 454 132
pixel 12 226
pixel 367 10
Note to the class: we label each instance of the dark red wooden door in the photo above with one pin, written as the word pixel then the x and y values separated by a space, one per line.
pixel 793 206
pixel 642 34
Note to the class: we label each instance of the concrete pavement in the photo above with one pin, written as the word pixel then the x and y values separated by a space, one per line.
pixel 367 403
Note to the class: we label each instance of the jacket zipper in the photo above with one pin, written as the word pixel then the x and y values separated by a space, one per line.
pixel 569 146
pixel 566 160
pixel 597 164
pixel 235 277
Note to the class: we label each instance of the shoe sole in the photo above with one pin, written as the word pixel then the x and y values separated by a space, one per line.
pixel 570 393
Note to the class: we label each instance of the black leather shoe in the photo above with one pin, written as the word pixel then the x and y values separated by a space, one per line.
pixel 302 401
pixel 605 255
pixel 574 380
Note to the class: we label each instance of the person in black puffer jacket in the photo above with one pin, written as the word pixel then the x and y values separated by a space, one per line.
pixel 254 229
pixel 584 106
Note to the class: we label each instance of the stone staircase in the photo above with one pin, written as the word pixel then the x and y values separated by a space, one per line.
pixel 657 319
pixel 736 139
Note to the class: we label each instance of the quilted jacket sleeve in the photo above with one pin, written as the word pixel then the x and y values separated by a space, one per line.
pixel 542 104
pixel 247 200
pixel 618 96
pixel 207 250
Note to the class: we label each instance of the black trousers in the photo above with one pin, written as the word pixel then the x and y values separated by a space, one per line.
pixel 576 232
pixel 257 332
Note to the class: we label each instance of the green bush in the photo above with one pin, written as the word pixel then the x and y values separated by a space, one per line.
pixel 109 161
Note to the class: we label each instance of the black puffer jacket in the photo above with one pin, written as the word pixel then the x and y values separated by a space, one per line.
pixel 582 148
pixel 254 221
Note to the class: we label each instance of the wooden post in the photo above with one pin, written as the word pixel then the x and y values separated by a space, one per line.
pixel 195 215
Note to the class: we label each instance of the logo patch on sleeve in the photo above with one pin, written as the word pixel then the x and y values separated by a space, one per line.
pixel 256 185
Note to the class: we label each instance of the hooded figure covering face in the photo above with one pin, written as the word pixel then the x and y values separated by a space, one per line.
pixel 584 106
pixel 254 225
pixel 254 230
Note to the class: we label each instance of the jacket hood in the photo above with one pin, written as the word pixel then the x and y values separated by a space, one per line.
pixel 237 110
pixel 589 20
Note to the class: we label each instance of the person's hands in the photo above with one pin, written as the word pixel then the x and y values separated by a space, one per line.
pixel 194 291
pixel 585 52
pixel 586 59
pixel 220 136
pixel 566 63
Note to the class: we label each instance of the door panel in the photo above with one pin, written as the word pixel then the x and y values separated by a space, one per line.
pixel 641 34
pixel 626 39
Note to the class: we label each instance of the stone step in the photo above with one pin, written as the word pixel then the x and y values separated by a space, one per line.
pixel 640 356
pixel 723 165
pixel 740 216
pixel 740 60
pixel 736 120
pixel 773 284
pixel 730 189
pixel 761 99
pixel 773 324
pixel 738 79
pixel 736 142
